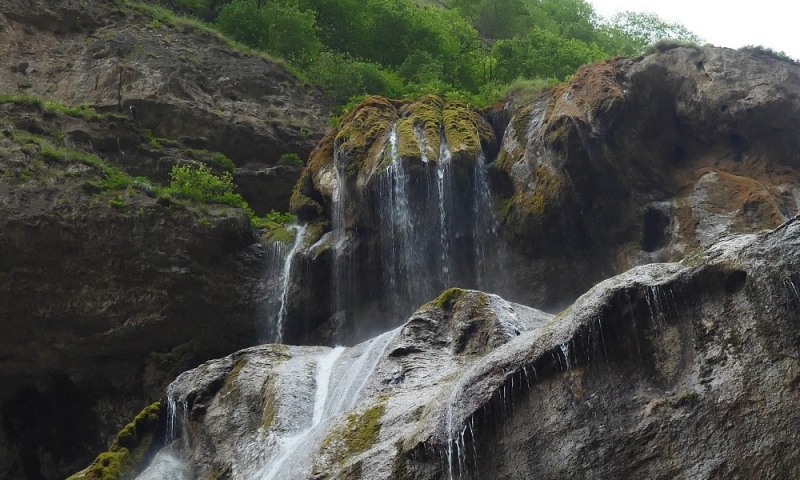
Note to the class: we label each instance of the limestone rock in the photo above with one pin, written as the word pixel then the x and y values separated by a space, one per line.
pixel 666 370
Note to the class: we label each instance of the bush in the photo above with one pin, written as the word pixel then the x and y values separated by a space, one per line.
pixel 200 184
pixel 291 159
pixel 280 29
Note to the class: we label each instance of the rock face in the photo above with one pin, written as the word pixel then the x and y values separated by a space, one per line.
pixel 107 294
pixel 176 79
pixel 633 161
pixel 668 370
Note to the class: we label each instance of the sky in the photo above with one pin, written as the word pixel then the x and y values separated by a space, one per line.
pixel 725 23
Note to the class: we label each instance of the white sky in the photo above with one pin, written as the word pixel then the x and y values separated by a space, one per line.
pixel 725 23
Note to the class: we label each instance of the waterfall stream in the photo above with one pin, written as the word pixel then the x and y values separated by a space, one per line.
pixel 286 279
pixel 339 380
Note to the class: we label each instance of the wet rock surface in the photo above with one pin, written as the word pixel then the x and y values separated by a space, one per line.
pixel 678 369
pixel 633 161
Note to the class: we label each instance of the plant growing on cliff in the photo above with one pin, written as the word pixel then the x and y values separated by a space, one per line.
pixel 199 183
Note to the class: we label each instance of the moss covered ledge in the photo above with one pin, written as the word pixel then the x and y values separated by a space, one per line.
pixel 128 450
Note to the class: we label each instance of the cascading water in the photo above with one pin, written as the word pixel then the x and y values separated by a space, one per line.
pixel 286 279
pixel 485 239
pixel 435 231
pixel 444 187
pixel 296 446
pixel 339 382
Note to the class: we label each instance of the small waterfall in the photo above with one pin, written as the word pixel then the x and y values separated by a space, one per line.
pixel 286 279
pixel 485 238
pixel 397 227
pixel 342 283
pixel 296 445
pixel 339 382
pixel 444 186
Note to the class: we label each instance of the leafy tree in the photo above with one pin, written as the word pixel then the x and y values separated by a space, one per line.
pixel 278 28
pixel 542 54
pixel 630 33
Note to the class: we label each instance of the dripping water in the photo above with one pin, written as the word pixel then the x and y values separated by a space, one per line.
pixel 443 184
pixel 286 278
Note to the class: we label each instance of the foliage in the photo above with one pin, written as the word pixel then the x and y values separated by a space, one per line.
pixel 291 159
pixel 541 54
pixel 630 33
pixel 464 49
pixel 768 52
pixel 200 184
pixel 278 28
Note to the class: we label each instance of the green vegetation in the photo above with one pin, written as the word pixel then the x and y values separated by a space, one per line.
pixel 127 450
pixel 356 435
pixel 291 159
pixel 459 49
pixel 47 106
pixel 113 178
pixel 768 52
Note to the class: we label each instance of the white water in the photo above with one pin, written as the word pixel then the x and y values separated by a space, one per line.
pixel 443 183
pixel 339 383
pixel 286 278
pixel 294 446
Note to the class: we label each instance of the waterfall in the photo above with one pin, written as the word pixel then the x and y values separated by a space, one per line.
pixel 286 279
pixel 339 380
pixel 444 187
pixel 485 237
pixel 434 232
pixel 342 270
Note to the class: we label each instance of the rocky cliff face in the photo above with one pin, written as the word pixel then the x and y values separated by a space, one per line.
pixel 107 292
pixel 633 161
pixel 173 77
pixel 680 369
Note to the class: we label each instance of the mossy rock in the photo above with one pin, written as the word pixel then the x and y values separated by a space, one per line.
pixel 544 198
pixel 355 435
pixel 128 450
pixel 279 233
pixel 447 299
pixel 466 131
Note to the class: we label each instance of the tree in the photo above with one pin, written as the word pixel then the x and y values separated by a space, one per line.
pixel 630 33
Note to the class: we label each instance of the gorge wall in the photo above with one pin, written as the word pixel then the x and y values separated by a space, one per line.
pixel 633 161
pixel 107 294
pixel 106 297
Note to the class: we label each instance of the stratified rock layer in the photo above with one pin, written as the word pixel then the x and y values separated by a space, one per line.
pixel 668 370
pixel 177 80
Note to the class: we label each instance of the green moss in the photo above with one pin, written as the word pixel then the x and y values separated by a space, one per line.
pixel 518 129
pixel 356 435
pixel 461 128
pixel 447 298
pixel 278 233
pixel 128 449
pixel 545 195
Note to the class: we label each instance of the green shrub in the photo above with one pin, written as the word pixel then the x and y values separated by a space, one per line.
pixel 768 52
pixel 200 184
pixel 291 159
pixel 279 28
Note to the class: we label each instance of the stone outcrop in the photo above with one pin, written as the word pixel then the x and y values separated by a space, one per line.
pixel 633 161
pixel 107 290
pixel 172 76
pixel 678 369
pixel 107 294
